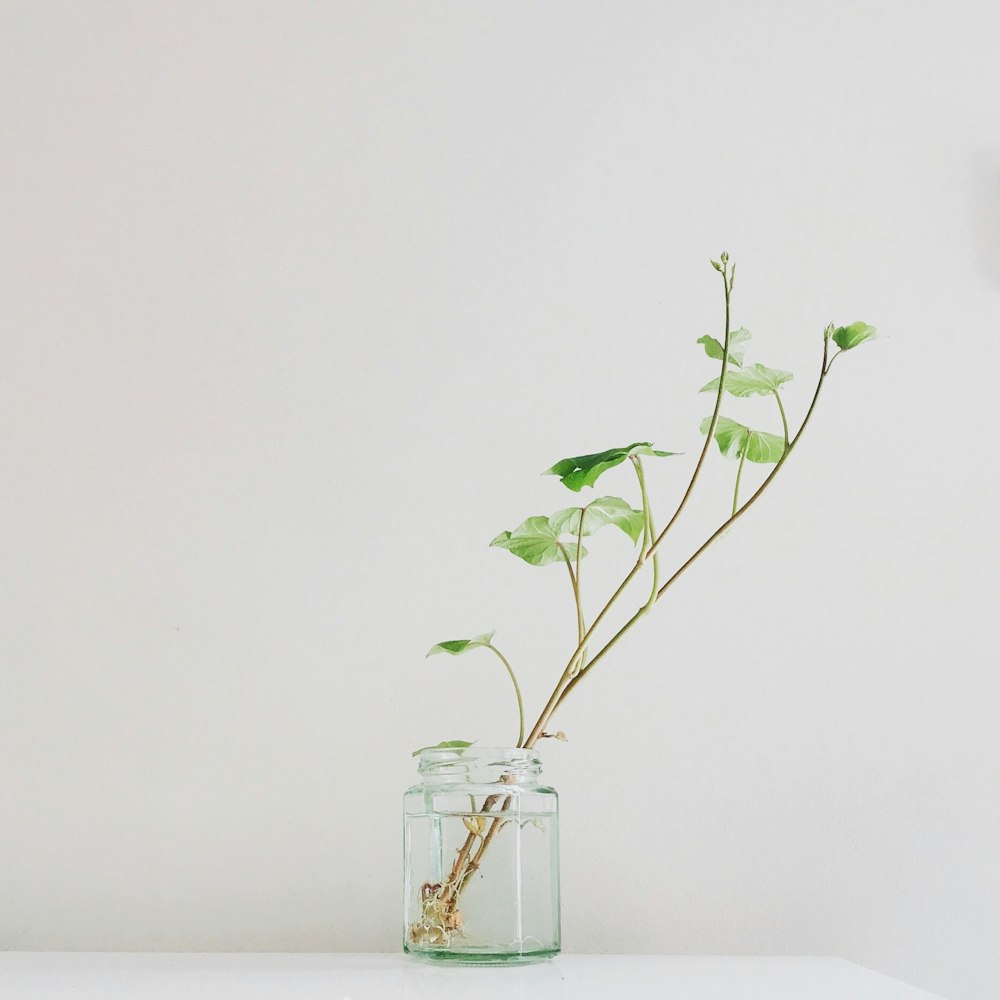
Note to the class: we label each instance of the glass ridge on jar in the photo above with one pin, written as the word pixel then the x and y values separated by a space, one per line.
pixel 481 858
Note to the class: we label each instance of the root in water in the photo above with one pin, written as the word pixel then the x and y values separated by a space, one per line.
pixel 440 921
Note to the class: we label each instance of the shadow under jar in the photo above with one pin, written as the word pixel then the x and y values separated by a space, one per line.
pixel 481 858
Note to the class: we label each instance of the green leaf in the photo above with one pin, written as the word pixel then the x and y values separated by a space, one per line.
pixel 445 745
pixel 537 543
pixel 736 337
pixel 596 515
pixel 585 470
pixel 458 646
pixel 735 439
pixel 755 379
pixel 848 337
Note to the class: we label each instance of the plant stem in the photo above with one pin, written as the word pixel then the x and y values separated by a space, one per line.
pixel 517 691
pixel 647 530
pixel 715 420
pixel 448 890
pixel 721 530
pixel 646 534
pixel 569 672
pixel 473 863
pixel 784 419
pixel 575 583
pixel 739 473
pixel 580 623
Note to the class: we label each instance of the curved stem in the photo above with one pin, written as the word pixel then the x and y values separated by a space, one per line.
pixel 581 626
pixel 710 436
pixel 575 584
pixel 646 534
pixel 517 691
pixel 648 531
pixel 784 419
pixel 569 672
pixel 739 473
pixel 721 530
pixel 473 864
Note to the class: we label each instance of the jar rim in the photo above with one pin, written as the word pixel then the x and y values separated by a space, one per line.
pixel 475 750
pixel 454 762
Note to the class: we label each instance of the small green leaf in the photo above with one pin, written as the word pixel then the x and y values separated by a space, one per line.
pixel 458 646
pixel 585 470
pixel 445 745
pixel 735 439
pixel 848 337
pixel 535 542
pixel 736 337
pixel 755 379
pixel 596 515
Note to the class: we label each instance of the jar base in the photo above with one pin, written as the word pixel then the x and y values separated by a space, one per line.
pixel 445 956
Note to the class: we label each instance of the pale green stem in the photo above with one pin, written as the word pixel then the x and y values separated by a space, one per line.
pixel 648 531
pixel 581 627
pixel 739 473
pixel 709 437
pixel 581 624
pixel 647 536
pixel 517 691
pixel 784 419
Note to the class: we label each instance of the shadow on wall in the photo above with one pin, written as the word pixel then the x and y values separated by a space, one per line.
pixel 986 192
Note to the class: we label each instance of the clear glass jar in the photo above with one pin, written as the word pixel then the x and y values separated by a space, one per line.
pixel 481 858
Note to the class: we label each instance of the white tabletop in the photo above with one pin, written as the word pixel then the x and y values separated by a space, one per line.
pixel 82 976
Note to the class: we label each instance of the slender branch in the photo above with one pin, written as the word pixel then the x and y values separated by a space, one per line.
pixel 709 437
pixel 495 826
pixel 647 535
pixel 569 672
pixel 739 473
pixel 575 583
pixel 648 531
pixel 784 419
pixel 721 530
pixel 580 623
pixel 448 890
pixel 517 691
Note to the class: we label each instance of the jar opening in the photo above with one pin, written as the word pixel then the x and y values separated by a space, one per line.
pixel 477 763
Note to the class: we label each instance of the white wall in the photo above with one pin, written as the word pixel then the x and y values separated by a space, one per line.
pixel 297 299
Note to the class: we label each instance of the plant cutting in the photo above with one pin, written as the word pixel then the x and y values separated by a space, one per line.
pixel 485 806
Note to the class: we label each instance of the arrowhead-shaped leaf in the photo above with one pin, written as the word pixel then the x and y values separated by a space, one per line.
pixel 746 382
pixel 737 348
pixel 847 337
pixel 445 745
pixel 735 439
pixel 585 470
pixel 596 515
pixel 458 646
pixel 537 543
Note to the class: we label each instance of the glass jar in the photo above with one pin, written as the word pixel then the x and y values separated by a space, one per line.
pixel 481 858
